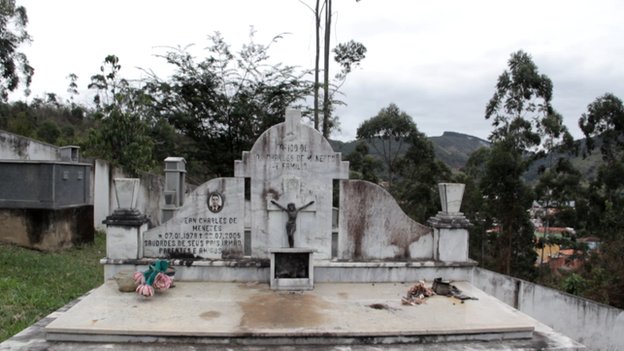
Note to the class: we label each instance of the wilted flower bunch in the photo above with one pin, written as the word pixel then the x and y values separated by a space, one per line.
pixel 154 277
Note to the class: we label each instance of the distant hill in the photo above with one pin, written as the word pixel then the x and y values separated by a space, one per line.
pixel 452 148
pixel 587 166
pixel 455 148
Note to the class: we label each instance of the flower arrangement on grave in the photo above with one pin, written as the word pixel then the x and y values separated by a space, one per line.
pixel 417 294
pixel 154 277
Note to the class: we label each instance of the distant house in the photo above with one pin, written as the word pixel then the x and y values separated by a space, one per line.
pixel 550 249
pixel 539 210
pixel 592 242
pixel 562 261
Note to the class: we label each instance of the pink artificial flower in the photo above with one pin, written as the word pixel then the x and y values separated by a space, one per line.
pixel 162 281
pixel 145 290
pixel 139 278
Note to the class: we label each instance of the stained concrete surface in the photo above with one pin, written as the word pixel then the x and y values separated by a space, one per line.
pixel 253 309
pixel 331 309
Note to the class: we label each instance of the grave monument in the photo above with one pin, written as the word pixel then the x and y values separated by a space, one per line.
pixel 348 261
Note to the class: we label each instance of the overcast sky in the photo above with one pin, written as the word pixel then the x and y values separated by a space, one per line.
pixel 437 60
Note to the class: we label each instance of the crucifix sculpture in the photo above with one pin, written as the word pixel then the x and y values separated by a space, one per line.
pixel 291 224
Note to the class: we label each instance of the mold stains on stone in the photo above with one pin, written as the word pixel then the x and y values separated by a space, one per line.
pixel 182 256
pixel 37 224
pixel 404 238
pixel 372 215
pixel 221 185
pixel 271 191
pixel 266 194
pixel 284 311
pixel 230 253
pixel 20 145
pixel 381 306
pixel 49 229
pixel 209 315
pixel 356 214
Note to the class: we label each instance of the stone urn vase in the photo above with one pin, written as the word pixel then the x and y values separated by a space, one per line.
pixel 127 192
pixel 125 281
pixel 451 195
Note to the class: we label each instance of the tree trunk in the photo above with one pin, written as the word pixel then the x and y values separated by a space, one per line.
pixel 317 18
pixel 326 114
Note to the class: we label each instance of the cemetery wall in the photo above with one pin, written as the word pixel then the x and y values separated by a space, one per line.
pixel 17 147
pixel 595 325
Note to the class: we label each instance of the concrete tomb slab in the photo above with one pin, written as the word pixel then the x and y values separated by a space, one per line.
pixel 334 313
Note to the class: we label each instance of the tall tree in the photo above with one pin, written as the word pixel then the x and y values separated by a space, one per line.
pixel 603 125
pixel 473 205
pixel 362 165
pixel 523 118
pixel 421 173
pixel 225 101
pixel 557 187
pixel 122 134
pixel 14 65
pixel 347 55
pixel 389 132
pixel 326 98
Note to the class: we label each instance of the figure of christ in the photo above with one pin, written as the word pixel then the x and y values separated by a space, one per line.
pixel 291 224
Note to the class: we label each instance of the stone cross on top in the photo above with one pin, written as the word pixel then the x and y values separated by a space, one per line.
pixel 291 163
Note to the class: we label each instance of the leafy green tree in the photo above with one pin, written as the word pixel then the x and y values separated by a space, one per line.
pixel 48 131
pixel 574 284
pixel 556 188
pixel 348 55
pixel 421 173
pixel 122 135
pixel 225 101
pixel 473 206
pixel 25 125
pixel 604 123
pixel 524 121
pixel 14 65
pixel 390 133
pixel 121 138
pixel 362 165
pixel 72 89
pixel 604 120
pixel 507 200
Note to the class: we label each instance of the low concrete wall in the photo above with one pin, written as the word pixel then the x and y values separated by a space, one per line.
pixel 101 192
pixel 17 147
pixel 47 229
pixel 595 325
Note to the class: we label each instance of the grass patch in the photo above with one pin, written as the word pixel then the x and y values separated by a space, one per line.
pixel 34 284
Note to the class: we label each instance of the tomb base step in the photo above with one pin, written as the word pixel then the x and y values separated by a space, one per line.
pixel 252 314
pixel 325 271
